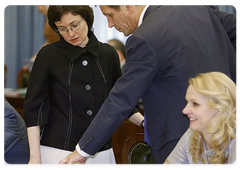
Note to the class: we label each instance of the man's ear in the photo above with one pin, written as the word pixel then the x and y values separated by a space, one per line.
pixel 129 8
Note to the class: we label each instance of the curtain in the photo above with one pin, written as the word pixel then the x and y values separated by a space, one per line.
pixel 23 36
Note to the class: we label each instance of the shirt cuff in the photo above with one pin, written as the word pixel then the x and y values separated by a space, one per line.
pixel 81 152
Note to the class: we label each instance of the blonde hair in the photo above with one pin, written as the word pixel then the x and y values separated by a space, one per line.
pixel 220 92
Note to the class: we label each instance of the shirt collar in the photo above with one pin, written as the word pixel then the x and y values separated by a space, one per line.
pixel 142 15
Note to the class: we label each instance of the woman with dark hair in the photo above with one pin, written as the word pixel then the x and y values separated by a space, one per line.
pixel 69 82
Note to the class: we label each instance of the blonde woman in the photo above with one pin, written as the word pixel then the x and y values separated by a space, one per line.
pixel 211 109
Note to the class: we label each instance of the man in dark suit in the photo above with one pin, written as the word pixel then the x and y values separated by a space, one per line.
pixel 16 148
pixel 168 45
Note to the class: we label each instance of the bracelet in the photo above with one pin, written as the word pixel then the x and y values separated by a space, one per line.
pixel 142 124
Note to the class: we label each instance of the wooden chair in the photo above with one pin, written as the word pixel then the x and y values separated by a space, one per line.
pixel 23 78
pixel 136 151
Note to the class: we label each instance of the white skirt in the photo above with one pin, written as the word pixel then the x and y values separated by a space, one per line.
pixel 52 155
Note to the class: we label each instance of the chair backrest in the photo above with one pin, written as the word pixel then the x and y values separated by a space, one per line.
pixel 23 78
pixel 136 151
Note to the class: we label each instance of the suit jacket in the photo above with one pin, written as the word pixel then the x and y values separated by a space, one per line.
pixel 173 44
pixel 16 149
pixel 229 23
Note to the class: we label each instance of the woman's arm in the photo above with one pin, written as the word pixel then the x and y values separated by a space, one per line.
pixel 34 144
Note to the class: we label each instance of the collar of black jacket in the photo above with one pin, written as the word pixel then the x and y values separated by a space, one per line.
pixel 73 52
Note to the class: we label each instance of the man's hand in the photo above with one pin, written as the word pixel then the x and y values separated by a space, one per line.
pixel 72 158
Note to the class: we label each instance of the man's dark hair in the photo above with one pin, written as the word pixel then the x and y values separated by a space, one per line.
pixel 118 45
pixel 116 7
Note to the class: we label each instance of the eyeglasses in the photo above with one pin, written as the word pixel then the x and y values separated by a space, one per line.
pixel 73 27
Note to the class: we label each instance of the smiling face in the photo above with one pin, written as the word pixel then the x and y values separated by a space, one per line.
pixel 197 110
pixel 123 20
pixel 78 37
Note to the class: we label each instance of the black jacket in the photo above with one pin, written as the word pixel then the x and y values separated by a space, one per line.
pixel 68 85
